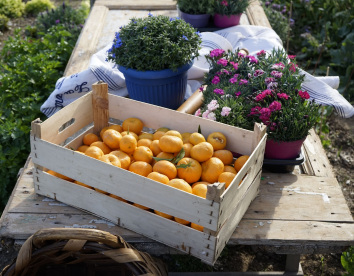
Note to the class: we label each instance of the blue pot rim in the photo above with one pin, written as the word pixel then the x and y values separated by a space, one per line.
pixel 165 73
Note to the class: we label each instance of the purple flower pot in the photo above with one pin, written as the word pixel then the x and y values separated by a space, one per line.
pixel 283 150
pixel 196 20
pixel 225 21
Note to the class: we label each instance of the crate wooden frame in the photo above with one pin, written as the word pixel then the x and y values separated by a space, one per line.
pixel 219 213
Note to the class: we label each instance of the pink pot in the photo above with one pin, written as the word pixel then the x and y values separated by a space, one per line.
pixel 224 21
pixel 283 150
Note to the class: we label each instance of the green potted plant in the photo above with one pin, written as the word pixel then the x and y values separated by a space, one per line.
pixel 227 13
pixel 266 88
pixel 154 54
pixel 195 12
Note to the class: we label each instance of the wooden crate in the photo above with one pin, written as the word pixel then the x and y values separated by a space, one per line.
pixel 219 213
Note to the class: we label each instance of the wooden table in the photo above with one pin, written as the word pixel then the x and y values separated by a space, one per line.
pixel 303 212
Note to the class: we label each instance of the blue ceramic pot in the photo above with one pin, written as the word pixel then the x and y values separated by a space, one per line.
pixel 164 88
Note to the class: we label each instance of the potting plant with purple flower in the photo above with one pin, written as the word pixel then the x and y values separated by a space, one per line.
pixel 265 88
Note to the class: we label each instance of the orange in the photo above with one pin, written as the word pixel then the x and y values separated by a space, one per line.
pixel 190 174
pixel 200 190
pixel 185 137
pixel 230 169
pixel 123 158
pixel 130 133
pixel 141 206
pixel 159 177
pixel 196 138
pixel 225 156
pixel 111 159
pixel 163 214
pixel 144 142
pixel 83 148
pixel 174 133
pixel 141 168
pixel 200 182
pixel 155 147
pixel 56 174
pixel 116 127
pixel 82 184
pixel 217 139
pixel 227 178
pixel 133 124
pixel 117 197
pixel 211 169
pixel 240 162
pixel 94 152
pixel 184 186
pixel 143 153
pixel 128 143
pixel 89 138
pixel 157 135
pixel 106 149
pixel 163 155
pixel 202 151
pixel 145 135
pixel 103 130
pixel 169 143
pixel 187 149
pixel 165 167
pixel 197 227
pixel 164 129
pixel 111 138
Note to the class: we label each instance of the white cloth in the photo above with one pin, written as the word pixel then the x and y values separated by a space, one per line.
pixel 253 38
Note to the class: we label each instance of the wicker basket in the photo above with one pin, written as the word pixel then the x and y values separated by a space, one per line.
pixel 64 251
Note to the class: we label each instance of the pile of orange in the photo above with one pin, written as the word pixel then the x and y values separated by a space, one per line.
pixel 186 161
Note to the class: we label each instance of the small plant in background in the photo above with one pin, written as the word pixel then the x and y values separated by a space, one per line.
pixel 12 8
pixel 3 22
pixel 72 19
pixel 347 260
pixel 34 7
pixel 196 6
pixel 230 7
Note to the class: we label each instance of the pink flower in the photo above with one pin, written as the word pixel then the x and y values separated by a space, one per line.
pixel 225 111
pixel 224 3
pixel 279 65
pixel 252 59
pixel 264 94
pixel 304 94
pixel 272 85
pixel 213 105
pixel 209 115
pixel 258 72
pixel 265 115
pixel 222 61
pixel 233 80
pixel 276 74
pixel 243 81
pixel 198 113
pixel 283 96
pixel 205 114
pixel 241 55
pixel 215 80
pixel 291 56
pixel 219 91
pixel 255 110
pixel 261 53
pixel 237 94
pixel 223 71
pixel 234 64
pixel 216 52
pixel 201 89
pixel 269 80
pixel 273 126
pixel 293 67
pixel 275 106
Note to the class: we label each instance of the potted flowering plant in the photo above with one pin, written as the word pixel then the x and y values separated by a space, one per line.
pixel 195 12
pixel 243 89
pixel 154 54
pixel 227 13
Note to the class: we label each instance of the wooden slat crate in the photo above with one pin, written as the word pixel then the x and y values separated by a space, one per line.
pixel 219 213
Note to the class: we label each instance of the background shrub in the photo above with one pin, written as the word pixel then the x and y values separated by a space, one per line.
pixel 34 7
pixel 12 8
pixel 3 22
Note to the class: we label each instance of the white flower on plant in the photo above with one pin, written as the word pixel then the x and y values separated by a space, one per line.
pixel 209 115
pixel 213 105
pixel 225 111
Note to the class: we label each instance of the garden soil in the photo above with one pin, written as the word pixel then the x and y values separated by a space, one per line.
pixel 250 258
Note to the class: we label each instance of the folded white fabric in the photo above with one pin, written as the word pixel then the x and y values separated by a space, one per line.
pixel 253 38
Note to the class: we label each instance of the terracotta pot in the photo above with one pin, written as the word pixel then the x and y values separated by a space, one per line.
pixel 225 21
pixel 283 150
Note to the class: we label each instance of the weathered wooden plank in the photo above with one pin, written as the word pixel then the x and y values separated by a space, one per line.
pixel 137 4
pixel 316 161
pixel 86 44
pixel 256 15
